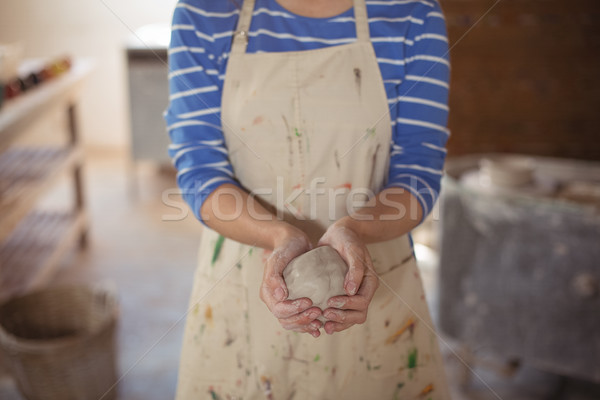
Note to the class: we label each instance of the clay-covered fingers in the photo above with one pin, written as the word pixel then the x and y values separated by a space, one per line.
pixel 359 264
pixel 291 308
pixel 331 327
pixel 346 316
pixel 345 311
pixel 273 285
pixel 353 251
pixel 361 300
pixel 303 322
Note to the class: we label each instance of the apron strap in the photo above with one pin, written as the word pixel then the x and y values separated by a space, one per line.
pixel 362 21
pixel 240 36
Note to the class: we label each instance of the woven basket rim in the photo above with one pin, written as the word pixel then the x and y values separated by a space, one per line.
pixel 8 339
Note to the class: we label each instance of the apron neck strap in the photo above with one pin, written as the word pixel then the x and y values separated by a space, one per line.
pixel 240 37
pixel 362 21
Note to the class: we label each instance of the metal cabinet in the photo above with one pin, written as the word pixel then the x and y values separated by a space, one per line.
pixel 520 273
pixel 148 99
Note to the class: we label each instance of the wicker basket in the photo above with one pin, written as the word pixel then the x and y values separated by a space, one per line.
pixel 60 343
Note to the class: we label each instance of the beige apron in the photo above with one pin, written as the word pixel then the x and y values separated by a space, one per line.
pixel 298 123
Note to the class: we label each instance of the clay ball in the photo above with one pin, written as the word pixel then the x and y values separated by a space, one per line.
pixel 318 274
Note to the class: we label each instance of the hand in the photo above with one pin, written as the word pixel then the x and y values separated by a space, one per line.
pixel 360 283
pixel 296 315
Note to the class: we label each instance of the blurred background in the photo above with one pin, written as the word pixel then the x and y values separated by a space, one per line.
pixel 509 256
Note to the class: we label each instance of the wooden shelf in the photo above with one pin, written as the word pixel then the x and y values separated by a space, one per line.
pixel 25 174
pixel 31 254
pixel 17 114
pixel 32 242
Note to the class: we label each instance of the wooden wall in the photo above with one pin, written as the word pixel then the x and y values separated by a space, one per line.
pixel 525 78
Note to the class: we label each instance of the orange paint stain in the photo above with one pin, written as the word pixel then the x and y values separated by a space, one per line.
pixel 409 324
pixel 208 314
pixel 428 389
pixel 346 185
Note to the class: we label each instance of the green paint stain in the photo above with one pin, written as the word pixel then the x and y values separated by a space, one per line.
pixel 251 251
pixel 368 366
pixel 399 386
pixel 317 358
pixel 377 367
pixel 371 131
pixel 327 368
pixel 217 251
pixel 214 395
pixel 202 327
pixel 239 265
pixel 298 134
pixel 412 358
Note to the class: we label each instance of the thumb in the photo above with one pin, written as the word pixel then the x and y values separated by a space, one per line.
pixel 274 276
pixel 356 271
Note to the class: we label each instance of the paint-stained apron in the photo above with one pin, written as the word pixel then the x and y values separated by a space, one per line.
pixel 297 123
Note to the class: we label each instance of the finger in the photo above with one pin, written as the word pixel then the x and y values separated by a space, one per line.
pixel 274 279
pixel 361 300
pixel 332 327
pixel 345 317
pixel 357 302
pixel 358 261
pixel 369 285
pixel 303 318
pixel 288 308
pixel 312 326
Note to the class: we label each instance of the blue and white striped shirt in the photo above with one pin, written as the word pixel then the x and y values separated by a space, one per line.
pixel 411 45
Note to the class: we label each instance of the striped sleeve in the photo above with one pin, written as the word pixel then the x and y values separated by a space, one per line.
pixel 194 114
pixel 419 130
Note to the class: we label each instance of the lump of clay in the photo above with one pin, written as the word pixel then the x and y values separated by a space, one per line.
pixel 317 274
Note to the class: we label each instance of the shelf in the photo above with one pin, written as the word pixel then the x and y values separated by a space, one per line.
pixel 17 114
pixel 31 254
pixel 25 174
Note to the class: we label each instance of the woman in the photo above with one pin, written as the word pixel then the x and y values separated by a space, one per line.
pixel 332 115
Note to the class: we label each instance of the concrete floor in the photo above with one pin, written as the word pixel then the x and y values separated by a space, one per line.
pixel 149 259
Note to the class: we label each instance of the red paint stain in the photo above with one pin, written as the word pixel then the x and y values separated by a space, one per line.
pixel 346 185
pixel 258 120
pixel 298 186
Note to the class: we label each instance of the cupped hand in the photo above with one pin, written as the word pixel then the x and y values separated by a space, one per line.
pixel 297 315
pixel 360 282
